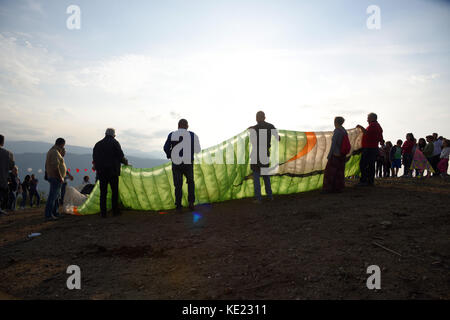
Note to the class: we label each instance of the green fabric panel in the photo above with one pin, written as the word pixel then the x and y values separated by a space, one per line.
pixel 153 189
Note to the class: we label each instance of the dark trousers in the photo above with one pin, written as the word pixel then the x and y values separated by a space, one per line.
pixel 63 193
pixel 334 175
pixel 34 193
pixel 367 165
pixel 434 160
pixel 12 200
pixel 407 160
pixel 113 181
pixel 178 171
pixel 387 168
pixel 3 198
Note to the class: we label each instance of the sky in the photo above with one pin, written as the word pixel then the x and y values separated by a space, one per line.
pixel 140 66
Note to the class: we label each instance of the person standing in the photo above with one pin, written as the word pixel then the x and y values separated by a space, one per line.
pixel 387 159
pixel 6 164
pixel 429 150
pixel 25 191
pixel 180 147
pixel 396 158
pixel 372 136
pixel 408 150
pixel 334 177
pixel 13 185
pixel 64 184
pixel 55 171
pixel 419 161
pixel 379 163
pixel 437 144
pixel 260 155
pixel 33 191
pixel 107 157
pixel 443 158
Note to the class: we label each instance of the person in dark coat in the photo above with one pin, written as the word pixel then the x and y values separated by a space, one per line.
pixel 260 154
pixel 33 191
pixel 182 161
pixel 6 164
pixel 25 190
pixel 334 174
pixel 107 157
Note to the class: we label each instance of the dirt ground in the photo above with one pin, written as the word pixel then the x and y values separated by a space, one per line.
pixel 301 246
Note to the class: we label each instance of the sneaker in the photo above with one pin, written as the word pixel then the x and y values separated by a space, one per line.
pixel 2 212
pixel 191 207
pixel 362 184
pixel 257 201
pixel 179 209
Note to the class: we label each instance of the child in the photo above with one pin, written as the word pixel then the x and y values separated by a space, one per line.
pixel 396 158
pixel 420 162
pixel 380 162
pixel 387 159
pixel 443 163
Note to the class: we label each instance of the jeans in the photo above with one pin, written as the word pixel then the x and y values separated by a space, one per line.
pixel 257 184
pixel 24 199
pixel 51 207
pixel 367 165
pixel 178 170
pixel 113 181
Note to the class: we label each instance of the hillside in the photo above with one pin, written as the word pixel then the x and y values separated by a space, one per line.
pixel 36 162
pixel 300 246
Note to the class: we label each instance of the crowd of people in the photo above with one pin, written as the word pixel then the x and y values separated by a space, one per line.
pixel 382 159
pixel 379 158
pixel 429 154
pixel 11 186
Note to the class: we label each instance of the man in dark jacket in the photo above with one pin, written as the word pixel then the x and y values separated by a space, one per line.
pixel 260 138
pixel 180 147
pixel 108 156
pixel 6 164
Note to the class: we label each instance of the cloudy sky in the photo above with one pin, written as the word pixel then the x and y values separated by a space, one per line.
pixel 139 66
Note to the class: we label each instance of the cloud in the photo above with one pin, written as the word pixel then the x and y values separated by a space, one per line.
pixel 20 130
pixel 423 78
pixel 23 66
pixel 34 6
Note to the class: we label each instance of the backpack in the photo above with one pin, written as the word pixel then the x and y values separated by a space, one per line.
pixel 345 145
